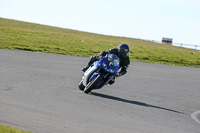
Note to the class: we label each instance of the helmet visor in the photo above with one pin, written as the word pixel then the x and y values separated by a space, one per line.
pixel 124 52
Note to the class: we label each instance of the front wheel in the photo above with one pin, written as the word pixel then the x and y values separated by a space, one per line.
pixel 92 84
pixel 81 86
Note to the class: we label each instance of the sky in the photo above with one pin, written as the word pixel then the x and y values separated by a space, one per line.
pixel 141 19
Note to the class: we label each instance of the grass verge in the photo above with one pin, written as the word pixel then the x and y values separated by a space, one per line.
pixel 19 35
pixel 7 129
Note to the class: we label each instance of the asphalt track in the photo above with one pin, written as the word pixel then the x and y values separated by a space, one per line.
pixel 39 93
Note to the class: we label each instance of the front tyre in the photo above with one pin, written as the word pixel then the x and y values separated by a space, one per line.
pixel 81 86
pixel 92 84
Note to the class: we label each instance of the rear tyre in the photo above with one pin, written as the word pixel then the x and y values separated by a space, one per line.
pixel 81 86
pixel 92 84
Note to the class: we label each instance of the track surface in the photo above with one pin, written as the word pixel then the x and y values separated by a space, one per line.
pixel 39 93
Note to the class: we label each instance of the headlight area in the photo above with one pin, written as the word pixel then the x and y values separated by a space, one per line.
pixel 106 68
pixel 110 70
pixel 104 65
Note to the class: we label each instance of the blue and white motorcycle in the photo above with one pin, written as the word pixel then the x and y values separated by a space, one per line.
pixel 100 73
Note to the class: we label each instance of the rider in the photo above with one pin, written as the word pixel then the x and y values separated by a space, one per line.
pixel 122 52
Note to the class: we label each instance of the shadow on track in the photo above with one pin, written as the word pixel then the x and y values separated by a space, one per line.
pixel 132 102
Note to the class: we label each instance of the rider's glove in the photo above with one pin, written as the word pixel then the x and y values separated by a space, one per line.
pixel 118 74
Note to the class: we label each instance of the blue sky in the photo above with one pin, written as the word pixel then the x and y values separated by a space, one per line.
pixel 145 19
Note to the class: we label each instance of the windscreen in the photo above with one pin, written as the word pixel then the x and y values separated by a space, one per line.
pixel 114 59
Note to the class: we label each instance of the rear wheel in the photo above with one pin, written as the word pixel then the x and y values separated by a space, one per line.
pixel 92 84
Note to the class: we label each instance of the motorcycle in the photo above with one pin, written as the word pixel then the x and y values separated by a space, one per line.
pixel 99 73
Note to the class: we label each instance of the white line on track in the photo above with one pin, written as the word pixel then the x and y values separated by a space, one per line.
pixel 195 115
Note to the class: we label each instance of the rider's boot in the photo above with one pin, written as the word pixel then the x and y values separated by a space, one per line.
pixel 85 68
pixel 112 81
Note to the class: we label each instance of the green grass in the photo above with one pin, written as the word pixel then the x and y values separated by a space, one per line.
pixel 7 129
pixel 34 37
